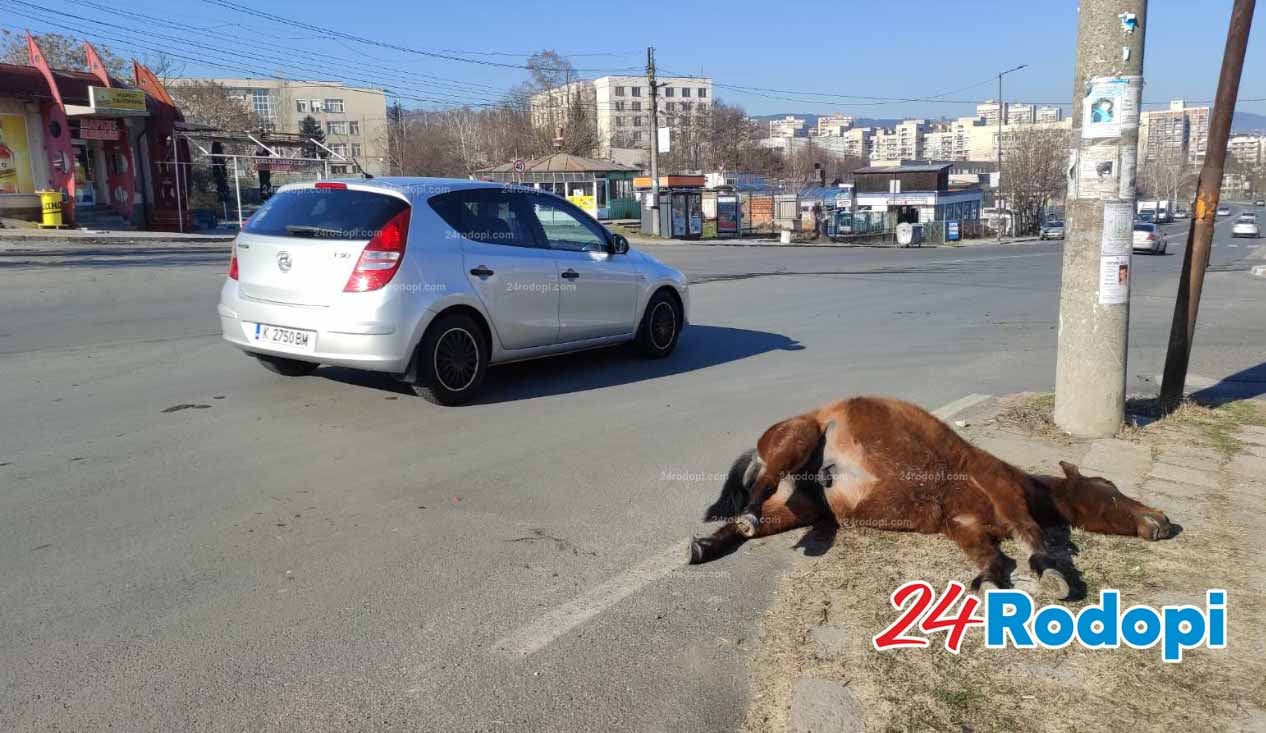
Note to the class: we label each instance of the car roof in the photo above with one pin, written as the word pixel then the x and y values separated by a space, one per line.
pixel 413 188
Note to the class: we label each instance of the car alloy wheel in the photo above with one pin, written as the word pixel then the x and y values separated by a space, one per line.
pixel 456 359
pixel 663 325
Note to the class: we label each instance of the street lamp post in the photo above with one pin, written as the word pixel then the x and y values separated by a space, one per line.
pixel 997 193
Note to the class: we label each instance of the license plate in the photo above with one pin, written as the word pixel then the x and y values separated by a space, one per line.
pixel 291 339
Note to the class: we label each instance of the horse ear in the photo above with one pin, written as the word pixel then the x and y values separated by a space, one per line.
pixel 1070 469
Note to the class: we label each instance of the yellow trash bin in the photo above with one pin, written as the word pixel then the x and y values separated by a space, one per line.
pixel 51 205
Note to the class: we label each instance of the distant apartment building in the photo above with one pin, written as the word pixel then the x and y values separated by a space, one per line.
pixel 988 109
pixel 1049 113
pixel 789 126
pixel 902 142
pixel 1177 133
pixel 621 107
pixel 1021 114
pixel 856 142
pixel 1247 149
pixel 353 119
pixel 833 125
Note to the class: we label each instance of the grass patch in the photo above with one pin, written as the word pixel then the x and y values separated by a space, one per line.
pixel 1217 423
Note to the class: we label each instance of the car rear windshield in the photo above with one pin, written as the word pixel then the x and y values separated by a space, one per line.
pixel 1144 227
pixel 318 213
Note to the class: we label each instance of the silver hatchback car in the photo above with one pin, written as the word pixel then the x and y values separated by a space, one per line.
pixel 433 280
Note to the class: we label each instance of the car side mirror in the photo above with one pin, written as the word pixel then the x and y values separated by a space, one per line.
pixel 619 244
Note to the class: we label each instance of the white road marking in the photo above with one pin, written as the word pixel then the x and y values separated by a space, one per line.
pixel 1233 245
pixel 542 632
pixel 945 412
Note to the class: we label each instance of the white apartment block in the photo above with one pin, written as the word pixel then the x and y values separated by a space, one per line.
pixel 1049 113
pixel 1021 114
pixel 622 106
pixel 903 142
pixel 789 126
pixel 1247 149
pixel 833 125
pixel 353 119
pixel 989 110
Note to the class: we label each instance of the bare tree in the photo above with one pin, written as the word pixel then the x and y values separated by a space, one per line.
pixel 1165 173
pixel 61 51
pixel 1033 174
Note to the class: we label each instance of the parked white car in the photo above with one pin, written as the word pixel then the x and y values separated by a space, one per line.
pixel 1148 237
pixel 433 280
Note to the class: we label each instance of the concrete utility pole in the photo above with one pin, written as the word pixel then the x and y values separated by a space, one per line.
pixel 1094 305
pixel 650 73
pixel 1199 238
pixel 997 194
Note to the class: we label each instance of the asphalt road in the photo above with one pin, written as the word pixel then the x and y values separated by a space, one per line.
pixel 190 542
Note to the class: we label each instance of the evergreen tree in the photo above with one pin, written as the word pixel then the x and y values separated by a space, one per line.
pixel 309 128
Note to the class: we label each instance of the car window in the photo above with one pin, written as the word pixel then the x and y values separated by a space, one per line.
pixel 315 213
pixel 1145 228
pixel 565 230
pixel 485 215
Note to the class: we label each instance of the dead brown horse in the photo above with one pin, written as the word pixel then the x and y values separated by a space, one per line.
pixel 889 464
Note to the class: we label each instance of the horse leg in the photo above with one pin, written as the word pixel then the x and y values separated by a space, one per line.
pixel 1011 508
pixel 784 448
pixel 983 548
pixel 779 513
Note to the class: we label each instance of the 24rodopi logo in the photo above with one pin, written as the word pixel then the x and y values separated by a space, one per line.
pixel 1011 620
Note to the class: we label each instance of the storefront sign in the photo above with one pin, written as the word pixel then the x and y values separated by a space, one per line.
pixel 95 129
pixel 112 99
pixel 15 158
pixel 584 202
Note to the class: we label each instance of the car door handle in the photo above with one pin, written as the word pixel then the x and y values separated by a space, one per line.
pixel 481 271
pixel 570 274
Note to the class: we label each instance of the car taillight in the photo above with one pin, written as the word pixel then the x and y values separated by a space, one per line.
pixel 381 257
pixel 233 263
pixel 1151 237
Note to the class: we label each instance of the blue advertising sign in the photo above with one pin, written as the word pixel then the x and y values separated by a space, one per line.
pixel 951 231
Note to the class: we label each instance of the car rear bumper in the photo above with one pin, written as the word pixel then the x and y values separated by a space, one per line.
pixel 374 344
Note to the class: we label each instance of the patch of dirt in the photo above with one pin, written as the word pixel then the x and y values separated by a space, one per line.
pixel 1030 691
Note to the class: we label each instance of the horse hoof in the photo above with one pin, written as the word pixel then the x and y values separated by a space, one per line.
pixel 1054 584
pixel 746 525
pixel 695 553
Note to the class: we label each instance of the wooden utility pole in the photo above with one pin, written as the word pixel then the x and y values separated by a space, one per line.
pixel 1094 303
pixel 650 73
pixel 1200 237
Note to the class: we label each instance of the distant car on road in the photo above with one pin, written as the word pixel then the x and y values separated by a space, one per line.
pixel 1053 229
pixel 1182 214
pixel 432 280
pixel 1149 238
pixel 1246 228
pixel 1248 216
pixel 1259 202
pixel 1146 216
pixel 1224 211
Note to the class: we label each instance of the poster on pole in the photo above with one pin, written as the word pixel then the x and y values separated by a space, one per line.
pixel 1098 172
pixel 1118 229
pixel 1111 105
pixel 665 141
pixel 1114 280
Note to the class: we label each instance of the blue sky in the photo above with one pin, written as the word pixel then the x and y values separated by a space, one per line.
pixel 880 48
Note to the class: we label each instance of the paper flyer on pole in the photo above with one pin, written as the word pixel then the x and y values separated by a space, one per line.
pixel 1114 280
pixel 1118 229
pixel 1110 106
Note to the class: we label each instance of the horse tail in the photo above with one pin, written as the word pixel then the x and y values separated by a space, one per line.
pixel 736 492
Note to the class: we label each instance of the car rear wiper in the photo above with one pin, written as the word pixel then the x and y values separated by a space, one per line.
pixel 311 231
